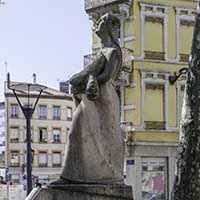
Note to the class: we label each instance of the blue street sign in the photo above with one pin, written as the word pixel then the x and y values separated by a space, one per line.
pixel 130 162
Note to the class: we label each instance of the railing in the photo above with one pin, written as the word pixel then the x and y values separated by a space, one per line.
pixel 88 59
pixel 127 57
pixel 93 4
pixel 33 195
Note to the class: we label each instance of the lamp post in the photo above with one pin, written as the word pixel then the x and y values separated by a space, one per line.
pixel 176 76
pixel 28 111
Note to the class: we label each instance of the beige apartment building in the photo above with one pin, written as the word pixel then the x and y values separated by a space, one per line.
pixel 50 125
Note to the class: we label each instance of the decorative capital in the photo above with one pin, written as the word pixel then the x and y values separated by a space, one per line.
pixel 125 77
pixel 124 10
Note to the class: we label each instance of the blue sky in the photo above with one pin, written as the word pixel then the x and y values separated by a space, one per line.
pixel 45 37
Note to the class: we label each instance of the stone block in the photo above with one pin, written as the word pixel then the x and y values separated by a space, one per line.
pixel 86 192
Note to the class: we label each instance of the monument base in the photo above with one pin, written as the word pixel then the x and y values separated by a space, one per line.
pixel 86 192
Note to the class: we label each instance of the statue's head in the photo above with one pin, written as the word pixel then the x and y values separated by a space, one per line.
pixel 108 25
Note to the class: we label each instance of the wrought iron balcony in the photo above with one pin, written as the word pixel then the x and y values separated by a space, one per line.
pixel 93 5
pixel 127 58
pixel 88 59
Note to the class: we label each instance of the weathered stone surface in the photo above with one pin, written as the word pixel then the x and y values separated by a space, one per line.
pixel 86 192
pixel 95 150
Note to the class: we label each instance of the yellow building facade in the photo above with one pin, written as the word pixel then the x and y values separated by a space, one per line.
pixel 157 36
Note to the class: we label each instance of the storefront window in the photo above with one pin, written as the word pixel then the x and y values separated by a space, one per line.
pixel 154 181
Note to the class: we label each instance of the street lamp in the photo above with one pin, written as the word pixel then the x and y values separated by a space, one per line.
pixel 176 76
pixel 28 110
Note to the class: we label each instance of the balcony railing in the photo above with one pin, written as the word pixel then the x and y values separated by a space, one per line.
pixel 92 5
pixel 14 164
pixel 127 57
pixel 88 59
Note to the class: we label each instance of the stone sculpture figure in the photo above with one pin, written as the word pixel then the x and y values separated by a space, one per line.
pixel 187 183
pixel 94 151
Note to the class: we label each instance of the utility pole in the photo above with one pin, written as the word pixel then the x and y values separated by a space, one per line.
pixel 28 111
pixel 187 183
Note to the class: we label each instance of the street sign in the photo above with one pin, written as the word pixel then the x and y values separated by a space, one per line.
pixel 130 162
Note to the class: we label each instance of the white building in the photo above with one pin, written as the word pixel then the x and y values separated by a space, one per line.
pixel 2 128
pixel 50 125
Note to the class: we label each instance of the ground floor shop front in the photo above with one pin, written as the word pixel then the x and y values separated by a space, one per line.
pixel 150 169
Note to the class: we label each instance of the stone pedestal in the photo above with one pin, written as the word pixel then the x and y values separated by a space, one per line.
pixel 86 192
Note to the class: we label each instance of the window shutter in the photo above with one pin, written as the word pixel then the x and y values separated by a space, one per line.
pixel 14 157
pixel 14 133
pixel 69 113
pixel 56 158
pixel 42 158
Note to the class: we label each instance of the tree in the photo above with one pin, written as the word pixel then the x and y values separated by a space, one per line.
pixel 187 183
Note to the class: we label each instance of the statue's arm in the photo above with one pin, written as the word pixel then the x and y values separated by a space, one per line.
pixel 94 69
pixel 106 75
pixel 109 67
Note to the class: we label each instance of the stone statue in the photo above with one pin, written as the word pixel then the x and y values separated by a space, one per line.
pixel 95 151
pixel 187 183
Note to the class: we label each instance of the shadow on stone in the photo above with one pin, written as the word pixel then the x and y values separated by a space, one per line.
pixel 86 192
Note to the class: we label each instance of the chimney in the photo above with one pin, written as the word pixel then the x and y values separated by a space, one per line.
pixel 64 87
pixel 34 78
pixel 8 80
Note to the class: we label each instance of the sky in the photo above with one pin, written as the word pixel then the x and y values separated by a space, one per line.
pixel 45 37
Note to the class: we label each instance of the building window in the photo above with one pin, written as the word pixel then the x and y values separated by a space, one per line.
pixel 69 113
pixel 56 136
pixel 56 112
pixel 154 25
pixel 43 135
pixel 154 95
pixel 154 178
pixel 56 159
pixel 14 134
pixel 184 28
pixel 14 159
pixel 67 132
pixel 154 19
pixel 43 159
pixel 42 112
pixel 154 121
pixel 14 110
pixel 15 178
